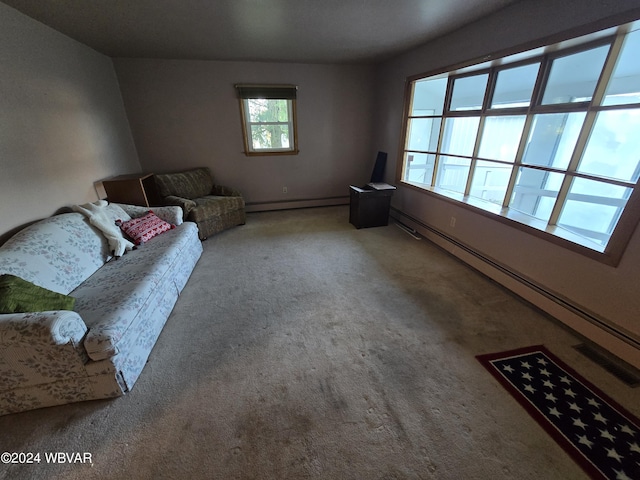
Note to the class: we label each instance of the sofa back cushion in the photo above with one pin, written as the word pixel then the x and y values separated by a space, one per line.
pixel 189 184
pixel 57 253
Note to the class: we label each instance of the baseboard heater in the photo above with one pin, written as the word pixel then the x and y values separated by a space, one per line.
pixel 593 319
pixel 296 203
pixel 621 370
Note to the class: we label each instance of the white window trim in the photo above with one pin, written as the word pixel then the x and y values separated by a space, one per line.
pixel 247 92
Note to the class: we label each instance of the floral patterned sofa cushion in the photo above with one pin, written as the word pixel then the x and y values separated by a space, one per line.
pixel 112 301
pixel 58 253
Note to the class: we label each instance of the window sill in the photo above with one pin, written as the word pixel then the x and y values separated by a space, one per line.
pixel 513 218
pixel 266 153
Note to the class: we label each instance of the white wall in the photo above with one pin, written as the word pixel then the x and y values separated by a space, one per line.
pixel 612 293
pixel 185 113
pixel 62 121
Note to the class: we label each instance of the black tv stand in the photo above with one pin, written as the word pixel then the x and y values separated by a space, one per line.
pixel 369 205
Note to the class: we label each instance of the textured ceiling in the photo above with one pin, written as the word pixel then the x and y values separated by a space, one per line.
pixel 315 31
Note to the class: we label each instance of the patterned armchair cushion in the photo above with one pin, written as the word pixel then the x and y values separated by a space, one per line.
pixel 213 206
pixel 186 204
pixel 224 191
pixel 57 253
pixel 189 184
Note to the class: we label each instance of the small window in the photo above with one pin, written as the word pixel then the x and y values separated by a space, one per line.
pixel 468 92
pixel 624 87
pixel 514 86
pixel 268 119
pixel 573 78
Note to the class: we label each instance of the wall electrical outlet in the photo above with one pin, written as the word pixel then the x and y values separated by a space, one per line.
pixel 452 222
pixel 284 189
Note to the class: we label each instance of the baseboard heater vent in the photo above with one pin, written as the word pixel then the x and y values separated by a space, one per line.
pixel 407 229
pixel 286 204
pixel 624 372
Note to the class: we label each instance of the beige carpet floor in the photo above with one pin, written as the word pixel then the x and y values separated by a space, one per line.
pixel 303 348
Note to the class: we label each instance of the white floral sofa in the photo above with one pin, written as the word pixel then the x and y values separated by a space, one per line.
pixel 98 349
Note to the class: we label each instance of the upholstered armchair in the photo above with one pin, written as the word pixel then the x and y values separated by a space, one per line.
pixel 212 207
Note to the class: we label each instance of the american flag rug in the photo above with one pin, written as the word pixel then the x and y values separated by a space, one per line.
pixel 600 435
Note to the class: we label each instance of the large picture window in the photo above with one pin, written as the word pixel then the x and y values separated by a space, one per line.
pixel 268 119
pixel 549 140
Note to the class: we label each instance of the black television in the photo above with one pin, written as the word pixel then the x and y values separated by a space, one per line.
pixel 377 176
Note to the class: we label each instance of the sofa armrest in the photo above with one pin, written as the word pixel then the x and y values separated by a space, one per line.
pixel 56 327
pixel 169 213
pixel 225 191
pixel 185 204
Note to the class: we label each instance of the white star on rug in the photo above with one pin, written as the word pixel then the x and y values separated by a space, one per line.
pixel 600 418
pixel 574 406
pixel 579 423
pixel 593 403
pixel 606 434
pixel 611 452
pixel 620 475
pixel 550 397
pixel 627 429
pixel 554 411
pixel 634 447
pixel 564 379
pixel 570 393
pixel 585 441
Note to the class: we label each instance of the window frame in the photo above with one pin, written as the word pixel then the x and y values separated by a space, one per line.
pixel 287 93
pixel 545 53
